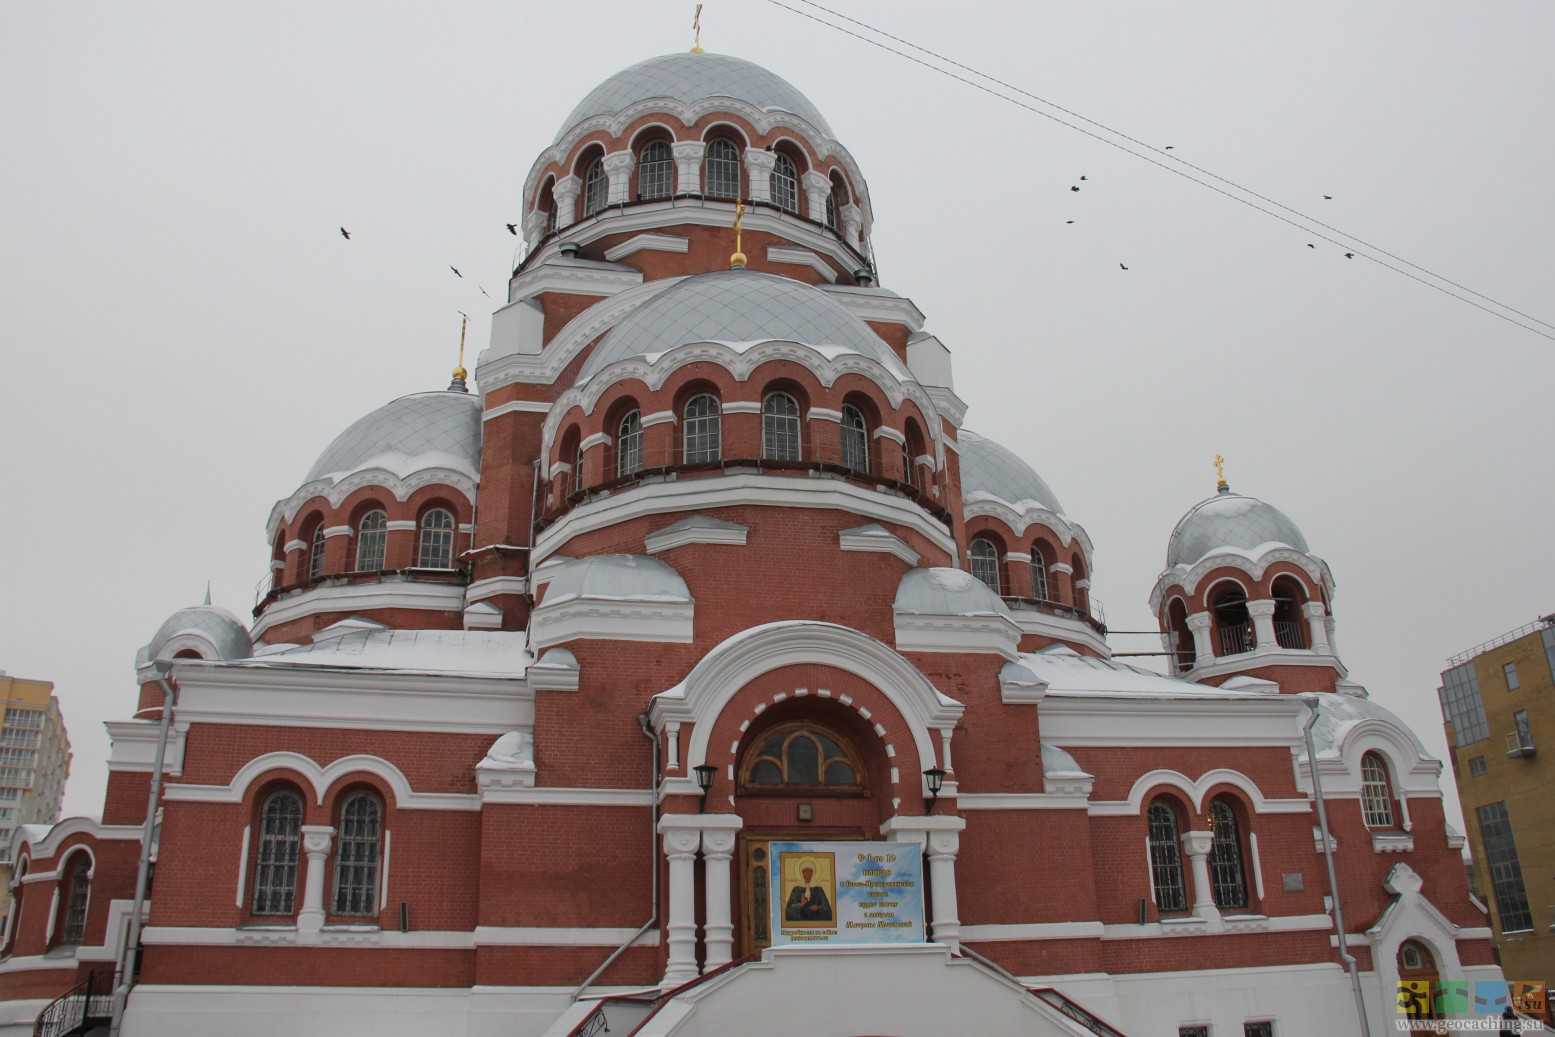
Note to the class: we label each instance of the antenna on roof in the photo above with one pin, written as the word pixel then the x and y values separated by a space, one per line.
pixel 1221 486
pixel 696 30
pixel 460 374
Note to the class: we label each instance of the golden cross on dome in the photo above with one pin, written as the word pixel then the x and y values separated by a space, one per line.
pixel 696 30
pixel 460 374
pixel 1220 474
pixel 737 261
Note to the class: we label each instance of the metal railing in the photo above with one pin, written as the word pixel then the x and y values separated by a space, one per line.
pixel 1073 1010
pixel 1496 642
pixel 1519 743
pixel 1234 640
pixel 1060 609
pixel 412 573
pixel 86 1004
pixel 1289 633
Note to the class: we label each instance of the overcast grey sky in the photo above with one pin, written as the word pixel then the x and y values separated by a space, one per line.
pixel 185 330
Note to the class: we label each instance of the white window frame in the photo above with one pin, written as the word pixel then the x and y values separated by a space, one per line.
pixel 629 444
pixel 983 554
pixel 780 428
pixel 1509 673
pixel 316 553
pixel 855 438
pixel 358 855
pixel 432 540
pixel 719 159
pixel 279 854
pixel 372 543
pixel 784 183
pixel 702 429
pixel 1376 791
pixel 655 171
pixel 596 188
pixel 1039 588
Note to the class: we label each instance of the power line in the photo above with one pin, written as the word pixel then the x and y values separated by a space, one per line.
pixel 1348 242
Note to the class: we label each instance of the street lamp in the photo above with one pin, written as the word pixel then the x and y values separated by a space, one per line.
pixel 935 776
pixel 705 774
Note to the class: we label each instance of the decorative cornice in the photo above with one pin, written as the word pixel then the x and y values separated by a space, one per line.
pixel 1188 577
pixel 379 478
pixel 876 538
pixel 802 257
pixel 648 242
pixel 610 619
pixel 389 593
pixel 680 534
pixel 921 632
pixel 1019 520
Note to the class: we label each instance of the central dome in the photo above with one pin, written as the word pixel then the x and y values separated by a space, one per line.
pixel 689 78
pixel 991 470
pixel 740 308
pixel 423 430
pixel 1230 520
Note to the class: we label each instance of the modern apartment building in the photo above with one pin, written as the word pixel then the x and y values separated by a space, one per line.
pixel 34 763
pixel 1498 702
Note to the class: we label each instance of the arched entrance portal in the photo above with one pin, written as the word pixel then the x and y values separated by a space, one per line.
pixel 1418 978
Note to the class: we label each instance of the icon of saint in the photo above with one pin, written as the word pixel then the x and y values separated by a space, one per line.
pixel 807 902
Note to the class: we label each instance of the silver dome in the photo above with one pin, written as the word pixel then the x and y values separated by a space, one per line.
pixel 689 78
pixel 424 430
pixel 739 306
pixel 987 467
pixel 224 631
pixel 1234 521
pixel 1339 712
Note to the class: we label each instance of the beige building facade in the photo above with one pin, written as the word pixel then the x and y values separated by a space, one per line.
pixel 1498 703
pixel 34 763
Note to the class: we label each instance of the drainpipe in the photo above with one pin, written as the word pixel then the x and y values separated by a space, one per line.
pixel 125 977
pixel 1310 699
pixel 653 849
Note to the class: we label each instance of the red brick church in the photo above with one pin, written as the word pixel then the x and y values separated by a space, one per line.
pixel 573 695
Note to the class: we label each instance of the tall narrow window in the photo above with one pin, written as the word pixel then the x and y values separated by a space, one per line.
pixel 356 861
pixel 909 468
pixel 1166 859
pixel 985 563
pixel 785 184
pixel 1509 671
pixel 701 429
pixel 831 209
pixel 779 427
pixel 721 170
pixel 280 825
pixel 371 535
pixel 596 187
pixel 1376 794
pixel 316 553
pixel 629 444
pixel 1225 857
pixel 855 439
pixel 1038 576
pixel 79 892
pixel 436 549
pixel 1506 874
pixel 655 172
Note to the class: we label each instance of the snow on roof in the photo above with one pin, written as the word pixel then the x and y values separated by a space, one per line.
pixel 1339 713
pixel 618 577
pixel 209 623
pixel 699 522
pixel 1065 670
pixel 500 653
pixel 946 592
pixel 1057 763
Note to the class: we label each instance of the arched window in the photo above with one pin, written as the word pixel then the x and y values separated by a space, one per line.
pixel 356 860
pixel 831 209
pixel 909 469
pixel 785 184
pixel 801 756
pixel 629 444
pixel 1376 792
pixel 78 892
pixel 703 439
pixel 280 841
pixel 436 547
pixel 1166 876
pixel 655 171
pixel 1225 857
pixel 721 169
pixel 1290 627
pixel 1182 638
pixel 596 187
pixel 316 553
pixel 855 438
pixel 985 563
pixel 371 535
pixel 779 427
pixel 1233 623
pixel 1038 576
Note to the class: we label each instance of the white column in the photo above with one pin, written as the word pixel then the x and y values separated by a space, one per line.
pixel 816 187
pixel 758 166
pixel 717 850
pixel 688 166
pixel 1197 846
pixel 852 224
pixel 316 840
pixel 534 227
pixel 1317 622
pixel 1262 612
pixel 618 166
pixel 680 846
pixel 1203 651
pixel 565 197
pixel 940 835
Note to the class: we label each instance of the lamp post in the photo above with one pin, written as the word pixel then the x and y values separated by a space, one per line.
pixel 705 774
pixel 935 776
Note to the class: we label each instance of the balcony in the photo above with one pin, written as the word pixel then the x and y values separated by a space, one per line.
pixel 267 593
pixel 1095 619
pixel 1519 744
pixel 1290 633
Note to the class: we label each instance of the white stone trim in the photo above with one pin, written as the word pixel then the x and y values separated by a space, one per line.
pixel 1018 801
pixel 741 407
pixel 1220 665
pixel 1192 926
pixel 592 441
pixel 920 632
pixel 671 537
pixel 658 417
pixel 289 936
pixel 330 532
pixel 568 278
pixel 1020 516
pixel 1035 622
pixel 824 414
pixel 400 488
pixel 390 592
pixel 556 936
pixel 608 619
pixel 572 797
pixel 887 432
pixel 802 257
pixel 516 407
pixel 400 525
pixel 1253 566
pixel 132 746
pixel 321 779
pixel 874 538
pixel 494 586
pixel 1073 718
pixel 49 845
pixel 1196 790
pixel 648 242
pixel 1030 931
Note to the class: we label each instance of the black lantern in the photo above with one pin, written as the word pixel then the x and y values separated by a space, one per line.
pixel 705 774
pixel 935 776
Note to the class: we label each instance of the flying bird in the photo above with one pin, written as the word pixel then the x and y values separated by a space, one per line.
pixel 1085 178
pixel 1349 255
pixel 513 229
pixel 1310 245
pixel 1169 147
pixel 456 272
pixel 345 234
pixel 1073 187
pixel 484 292
pixel 1122 266
pixel 1328 198
pixel 1069 221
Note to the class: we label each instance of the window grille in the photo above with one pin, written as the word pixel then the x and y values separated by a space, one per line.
pixel 785 184
pixel 356 860
pixel 831 209
pixel 316 554
pixel 1462 705
pixel 75 908
pixel 779 427
pixel 280 841
pixel 855 439
pixel 985 563
pixel 1225 857
pixel 371 537
pixel 1038 576
pixel 721 170
pixel 436 550
pixel 596 188
pixel 1477 766
pixel 1411 957
pixel 801 755
pixel 1376 795
pixel 1166 860
pixel 1259 1029
pixel 702 431
pixel 629 444
pixel 655 172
